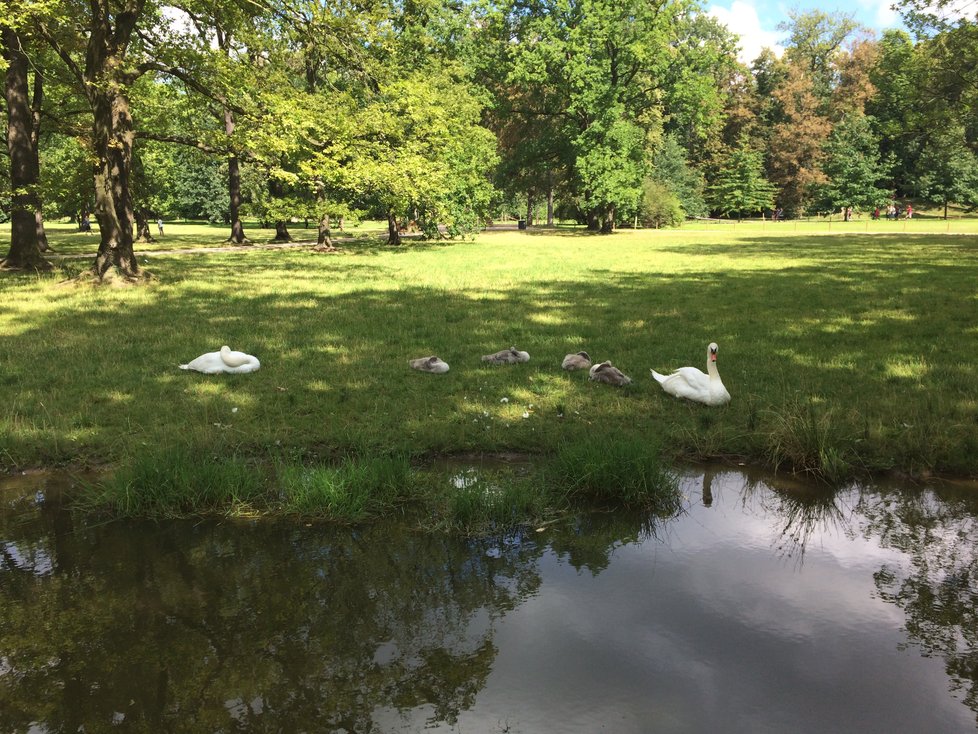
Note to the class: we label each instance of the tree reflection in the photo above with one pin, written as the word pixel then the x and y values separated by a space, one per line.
pixel 938 591
pixel 221 627
pixel 804 511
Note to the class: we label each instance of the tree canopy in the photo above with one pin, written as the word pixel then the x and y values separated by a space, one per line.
pixel 446 114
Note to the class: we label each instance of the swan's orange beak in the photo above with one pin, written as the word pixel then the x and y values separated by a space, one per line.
pixel 713 356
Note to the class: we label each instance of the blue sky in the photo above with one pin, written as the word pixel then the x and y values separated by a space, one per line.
pixel 755 21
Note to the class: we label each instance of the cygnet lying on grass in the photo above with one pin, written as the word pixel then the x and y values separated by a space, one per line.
pixel 579 361
pixel 429 364
pixel 507 356
pixel 607 372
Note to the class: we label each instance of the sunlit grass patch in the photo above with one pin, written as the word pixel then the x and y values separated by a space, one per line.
pixel 352 490
pixel 907 368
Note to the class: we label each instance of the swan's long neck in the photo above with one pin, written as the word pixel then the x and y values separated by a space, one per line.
pixel 711 366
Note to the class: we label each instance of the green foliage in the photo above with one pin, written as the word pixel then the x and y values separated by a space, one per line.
pixel 815 40
pixel 198 185
pixel 66 177
pixel 740 187
pixel 948 168
pixel 852 167
pixel 671 170
pixel 660 207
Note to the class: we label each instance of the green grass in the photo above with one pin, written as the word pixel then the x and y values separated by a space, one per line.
pixel 353 490
pixel 845 351
pixel 612 471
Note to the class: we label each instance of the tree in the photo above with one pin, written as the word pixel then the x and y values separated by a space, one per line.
pixel 671 170
pixel 740 187
pixel 660 206
pixel 102 32
pixel 815 43
pixel 852 167
pixel 25 249
pixel 948 168
pixel 796 142
pixel 898 106
pixel 593 67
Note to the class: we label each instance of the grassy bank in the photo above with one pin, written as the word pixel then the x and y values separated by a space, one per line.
pixel 844 351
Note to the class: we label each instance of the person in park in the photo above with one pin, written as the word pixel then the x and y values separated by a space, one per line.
pixel 159 224
pixel 909 210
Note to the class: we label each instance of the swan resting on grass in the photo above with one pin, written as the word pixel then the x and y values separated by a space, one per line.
pixel 690 383
pixel 226 360
pixel 429 364
pixel 579 361
pixel 507 356
pixel 607 372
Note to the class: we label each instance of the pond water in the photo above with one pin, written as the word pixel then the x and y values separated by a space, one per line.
pixel 765 606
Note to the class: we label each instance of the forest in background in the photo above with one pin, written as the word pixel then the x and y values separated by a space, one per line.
pixel 447 113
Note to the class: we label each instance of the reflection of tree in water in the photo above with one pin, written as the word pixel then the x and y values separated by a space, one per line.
pixel 938 591
pixel 589 540
pixel 938 533
pixel 804 511
pixel 212 627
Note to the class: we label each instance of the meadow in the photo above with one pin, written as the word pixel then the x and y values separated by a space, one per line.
pixel 847 348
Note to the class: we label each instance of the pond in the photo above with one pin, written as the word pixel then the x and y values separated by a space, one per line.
pixel 765 606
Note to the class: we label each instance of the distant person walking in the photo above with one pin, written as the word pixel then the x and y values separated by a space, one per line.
pixel 909 211
pixel 159 224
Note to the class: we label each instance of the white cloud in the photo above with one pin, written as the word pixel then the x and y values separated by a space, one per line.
pixel 883 14
pixel 742 19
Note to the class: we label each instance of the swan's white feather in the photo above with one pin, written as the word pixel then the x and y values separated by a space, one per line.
pixel 693 384
pixel 226 360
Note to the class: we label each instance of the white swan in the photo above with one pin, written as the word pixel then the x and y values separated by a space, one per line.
pixel 507 356
pixel 690 383
pixel 429 364
pixel 579 361
pixel 607 372
pixel 226 360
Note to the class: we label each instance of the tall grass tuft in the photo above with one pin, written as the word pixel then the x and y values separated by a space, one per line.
pixel 614 471
pixel 493 501
pixel 353 490
pixel 179 481
pixel 804 437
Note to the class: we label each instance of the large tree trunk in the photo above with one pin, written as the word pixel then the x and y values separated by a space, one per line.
pixel 106 80
pixel 550 206
pixel 25 252
pixel 282 231
pixel 393 235
pixel 593 220
pixel 608 221
pixel 529 209
pixel 113 136
pixel 324 238
pixel 234 188
pixel 42 235
pixel 143 231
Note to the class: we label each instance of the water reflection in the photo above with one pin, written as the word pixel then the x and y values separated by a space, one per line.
pixel 767 606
